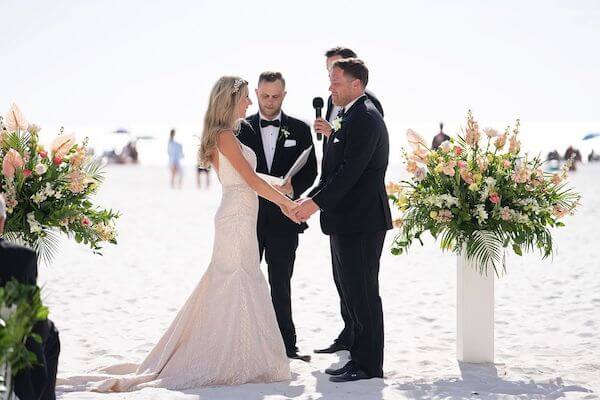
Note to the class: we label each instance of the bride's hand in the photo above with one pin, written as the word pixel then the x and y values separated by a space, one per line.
pixel 288 210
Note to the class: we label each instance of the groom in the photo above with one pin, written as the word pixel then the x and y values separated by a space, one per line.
pixel 355 213
pixel 278 140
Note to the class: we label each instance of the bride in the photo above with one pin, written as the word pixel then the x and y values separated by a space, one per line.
pixel 226 333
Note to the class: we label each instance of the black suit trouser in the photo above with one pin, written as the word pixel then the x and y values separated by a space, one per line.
pixel 357 268
pixel 279 250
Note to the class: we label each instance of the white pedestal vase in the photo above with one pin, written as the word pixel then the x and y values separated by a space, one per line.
pixel 474 312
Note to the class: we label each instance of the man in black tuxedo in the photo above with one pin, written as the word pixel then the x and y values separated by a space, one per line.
pixel 325 126
pixel 278 139
pixel 355 214
pixel 332 55
pixel 39 381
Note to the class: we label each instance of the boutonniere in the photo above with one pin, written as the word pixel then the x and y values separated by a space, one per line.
pixel 337 123
pixel 284 133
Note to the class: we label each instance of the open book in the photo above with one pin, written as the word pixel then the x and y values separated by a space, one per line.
pixel 294 169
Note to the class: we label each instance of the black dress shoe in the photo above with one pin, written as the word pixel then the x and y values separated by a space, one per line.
pixel 340 371
pixel 350 376
pixel 294 355
pixel 336 346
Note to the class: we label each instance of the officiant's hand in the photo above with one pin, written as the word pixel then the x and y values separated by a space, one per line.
pixel 305 209
pixel 286 188
pixel 322 126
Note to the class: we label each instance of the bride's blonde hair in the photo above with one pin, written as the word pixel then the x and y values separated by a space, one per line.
pixel 221 114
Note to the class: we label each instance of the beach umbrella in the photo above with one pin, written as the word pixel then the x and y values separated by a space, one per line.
pixel 121 131
pixel 590 136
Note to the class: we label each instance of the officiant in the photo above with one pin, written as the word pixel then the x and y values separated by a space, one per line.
pixel 278 140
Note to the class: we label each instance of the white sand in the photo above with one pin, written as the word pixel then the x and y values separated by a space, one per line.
pixel 113 308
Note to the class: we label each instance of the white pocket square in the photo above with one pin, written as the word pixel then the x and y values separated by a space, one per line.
pixel 336 140
pixel 289 143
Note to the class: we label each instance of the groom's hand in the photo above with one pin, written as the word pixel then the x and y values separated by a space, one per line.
pixel 322 126
pixel 306 208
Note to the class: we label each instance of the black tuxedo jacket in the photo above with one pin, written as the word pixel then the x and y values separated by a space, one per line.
pixel 287 151
pixel 17 262
pixel 351 191
pixel 369 95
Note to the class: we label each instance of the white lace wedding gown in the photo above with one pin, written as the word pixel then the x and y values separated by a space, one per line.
pixel 226 333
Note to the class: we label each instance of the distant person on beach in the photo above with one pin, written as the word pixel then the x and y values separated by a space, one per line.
pixel 592 157
pixel 175 151
pixel 575 155
pixel 200 170
pixel 440 138
pixel 38 381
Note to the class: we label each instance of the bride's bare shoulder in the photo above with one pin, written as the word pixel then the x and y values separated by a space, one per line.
pixel 226 141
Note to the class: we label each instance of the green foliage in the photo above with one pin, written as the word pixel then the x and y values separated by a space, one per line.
pixel 20 308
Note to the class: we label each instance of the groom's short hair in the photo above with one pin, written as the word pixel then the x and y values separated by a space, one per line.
pixel 270 76
pixel 340 51
pixel 353 67
pixel 2 207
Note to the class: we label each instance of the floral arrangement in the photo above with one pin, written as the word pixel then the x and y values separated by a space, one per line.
pixel 49 191
pixel 478 196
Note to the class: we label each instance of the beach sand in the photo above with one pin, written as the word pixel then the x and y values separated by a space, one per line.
pixel 113 308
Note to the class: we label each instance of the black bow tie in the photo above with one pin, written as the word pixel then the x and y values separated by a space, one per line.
pixel 264 123
pixel 341 113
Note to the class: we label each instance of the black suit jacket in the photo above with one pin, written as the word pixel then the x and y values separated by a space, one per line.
pixel 17 262
pixel 286 153
pixel 369 95
pixel 20 263
pixel 351 190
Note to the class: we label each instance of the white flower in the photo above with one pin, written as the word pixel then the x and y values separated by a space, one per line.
pixel 34 226
pixel 337 124
pixel 480 213
pixel 285 133
pixel 41 169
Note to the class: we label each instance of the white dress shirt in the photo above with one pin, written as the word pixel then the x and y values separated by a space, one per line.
pixel 334 113
pixel 269 136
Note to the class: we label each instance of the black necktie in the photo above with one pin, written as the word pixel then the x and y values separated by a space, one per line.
pixel 264 123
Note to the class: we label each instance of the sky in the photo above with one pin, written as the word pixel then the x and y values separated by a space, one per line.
pixel 94 66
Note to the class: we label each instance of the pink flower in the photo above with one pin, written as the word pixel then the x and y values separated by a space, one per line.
pixel 62 144
pixel 14 120
pixel 495 198
pixel 27 173
pixel 12 161
pixel 57 160
pixel 556 179
pixel 506 163
pixel 43 154
pixel 85 221
pixel 514 145
pixel 420 174
pixel 505 213
pixel 411 166
pixel 457 151
pixel 500 141
pixel 467 176
pixel 448 169
pixel 461 164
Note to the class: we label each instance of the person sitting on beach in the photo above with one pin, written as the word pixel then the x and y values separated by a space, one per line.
pixel 39 381
pixel 175 151
pixel 440 138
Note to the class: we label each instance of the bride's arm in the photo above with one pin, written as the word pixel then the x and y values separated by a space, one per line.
pixel 229 146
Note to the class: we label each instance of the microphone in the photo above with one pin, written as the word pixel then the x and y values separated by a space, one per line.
pixel 318 106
